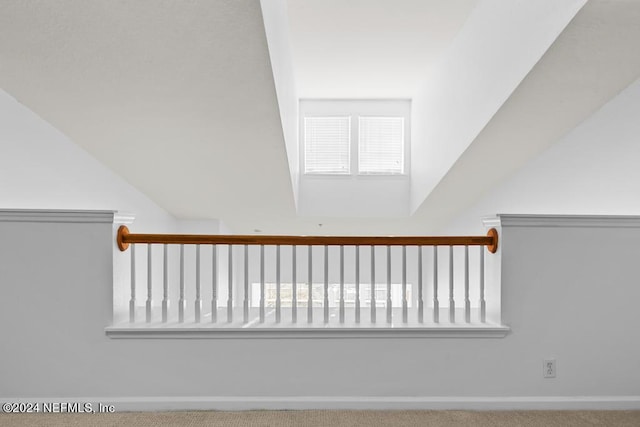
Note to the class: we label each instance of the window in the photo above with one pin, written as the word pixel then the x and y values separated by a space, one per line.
pixel 354 137
pixel 381 145
pixel 327 142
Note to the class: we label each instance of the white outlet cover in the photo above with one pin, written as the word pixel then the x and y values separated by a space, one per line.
pixel 549 368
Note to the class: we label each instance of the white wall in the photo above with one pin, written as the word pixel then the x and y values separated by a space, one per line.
pixel 592 170
pixel 498 45
pixel 54 345
pixel 40 168
pixel 276 25
pixel 354 196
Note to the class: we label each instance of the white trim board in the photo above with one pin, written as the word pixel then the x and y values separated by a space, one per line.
pixel 137 332
pixel 616 221
pixel 123 218
pixel 242 403
pixel 55 215
pixel 491 222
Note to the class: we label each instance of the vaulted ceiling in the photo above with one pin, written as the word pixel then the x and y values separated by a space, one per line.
pixel 370 48
pixel 180 98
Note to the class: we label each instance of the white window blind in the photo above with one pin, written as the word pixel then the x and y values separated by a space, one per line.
pixel 381 145
pixel 327 144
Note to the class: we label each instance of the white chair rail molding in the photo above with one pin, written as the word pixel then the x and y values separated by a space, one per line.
pixel 244 286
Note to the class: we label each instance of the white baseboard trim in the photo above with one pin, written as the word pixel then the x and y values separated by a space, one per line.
pixel 240 403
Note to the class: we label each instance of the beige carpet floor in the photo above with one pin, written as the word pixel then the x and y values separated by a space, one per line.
pixel 332 418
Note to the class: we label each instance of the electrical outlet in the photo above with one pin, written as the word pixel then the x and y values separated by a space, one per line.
pixel 549 368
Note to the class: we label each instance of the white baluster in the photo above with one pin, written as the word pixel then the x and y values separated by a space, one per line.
pixel 436 304
pixel 483 305
pixel 310 296
pixel 165 286
pixel 262 302
pixel 389 303
pixel 357 284
pixel 245 303
pixel 214 284
pixel 326 284
pixel 341 284
pixel 181 301
pixel 373 284
pixel 467 303
pixel 405 306
pixel 420 297
pixel 149 284
pixel 452 304
pixel 132 301
pixel 278 301
pixel 198 302
pixel 294 286
pixel 230 290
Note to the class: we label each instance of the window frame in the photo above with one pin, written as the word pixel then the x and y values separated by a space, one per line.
pixel 355 108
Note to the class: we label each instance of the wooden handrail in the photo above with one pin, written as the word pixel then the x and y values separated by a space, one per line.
pixel 125 238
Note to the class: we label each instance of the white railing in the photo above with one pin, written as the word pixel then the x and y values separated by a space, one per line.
pixel 313 282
